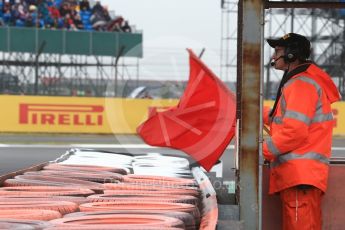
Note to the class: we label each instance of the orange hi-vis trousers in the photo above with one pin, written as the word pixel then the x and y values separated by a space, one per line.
pixel 301 208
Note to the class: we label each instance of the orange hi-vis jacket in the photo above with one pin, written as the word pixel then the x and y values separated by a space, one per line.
pixel 299 146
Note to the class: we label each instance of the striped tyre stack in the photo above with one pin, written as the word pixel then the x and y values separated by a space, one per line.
pixel 88 190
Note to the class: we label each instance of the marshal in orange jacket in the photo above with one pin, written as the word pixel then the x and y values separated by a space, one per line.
pixel 299 146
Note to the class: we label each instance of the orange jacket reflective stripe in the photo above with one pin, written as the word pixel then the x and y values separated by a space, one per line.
pixel 299 146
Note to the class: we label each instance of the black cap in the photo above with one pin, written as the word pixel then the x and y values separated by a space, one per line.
pixel 294 41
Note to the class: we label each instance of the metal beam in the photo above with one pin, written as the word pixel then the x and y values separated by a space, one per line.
pixel 320 5
pixel 249 77
pixel 55 64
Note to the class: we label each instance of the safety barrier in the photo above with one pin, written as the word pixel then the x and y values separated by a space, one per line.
pixel 40 114
pixel 79 208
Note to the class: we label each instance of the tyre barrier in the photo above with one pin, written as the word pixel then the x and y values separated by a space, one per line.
pixel 100 176
pixel 14 224
pixel 210 215
pixel 126 220
pixel 24 214
pixel 136 205
pixel 138 192
pixel 32 180
pixel 74 199
pixel 144 187
pixel 108 227
pixel 88 168
pixel 157 164
pixel 159 180
pixel 186 199
pixel 97 161
pixel 63 207
pixel 145 169
pixel 44 191
pixel 128 202
pixel 163 161
pixel 186 218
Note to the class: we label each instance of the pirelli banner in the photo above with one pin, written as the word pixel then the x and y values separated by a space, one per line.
pixel 92 115
pixel 75 115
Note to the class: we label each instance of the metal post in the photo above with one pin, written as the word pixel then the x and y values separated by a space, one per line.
pixel 292 20
pixel 268 82
pixel 249 77
pixel 342 77
pixel 201 53
pixel 313 31
pixel 268 68
pixel 39 52
pixel 119 54
pixel 137 74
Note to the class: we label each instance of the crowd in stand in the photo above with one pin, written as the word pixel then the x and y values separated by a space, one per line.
pixel 60 14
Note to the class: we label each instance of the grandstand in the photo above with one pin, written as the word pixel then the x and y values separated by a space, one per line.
pixel 61 14
pixel 71 42
pixel 65 41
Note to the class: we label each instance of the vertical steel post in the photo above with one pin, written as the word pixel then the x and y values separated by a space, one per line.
pixel 292 20
pixel 118 55
pixel 249 82
pixel 38 53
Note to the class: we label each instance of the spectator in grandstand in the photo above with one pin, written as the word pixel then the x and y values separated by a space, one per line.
pixel 32 18
pixel 116 24
pixel 97 8
pixel 58 3
pixel 54 12
pixel 69 23
pixel 71 3
pixel 74 11
pixel 19 13
pixel 77 22
pixel 55 20
pixel 20 10
pixel 50 3
pixel 57 23
pixel 31 2
pixel 84 5
pixel 100 17
pixel 65 9
pixel 98 21
pixel 7 16
pixel 126 27
pixel 43 13
pixel 106 14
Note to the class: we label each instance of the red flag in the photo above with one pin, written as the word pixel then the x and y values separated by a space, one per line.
pixel 202 124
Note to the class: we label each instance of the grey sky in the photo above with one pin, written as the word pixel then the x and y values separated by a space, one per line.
pixel 168 28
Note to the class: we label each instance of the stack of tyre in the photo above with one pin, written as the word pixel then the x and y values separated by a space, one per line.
pixel 157 164
pixel 67 195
